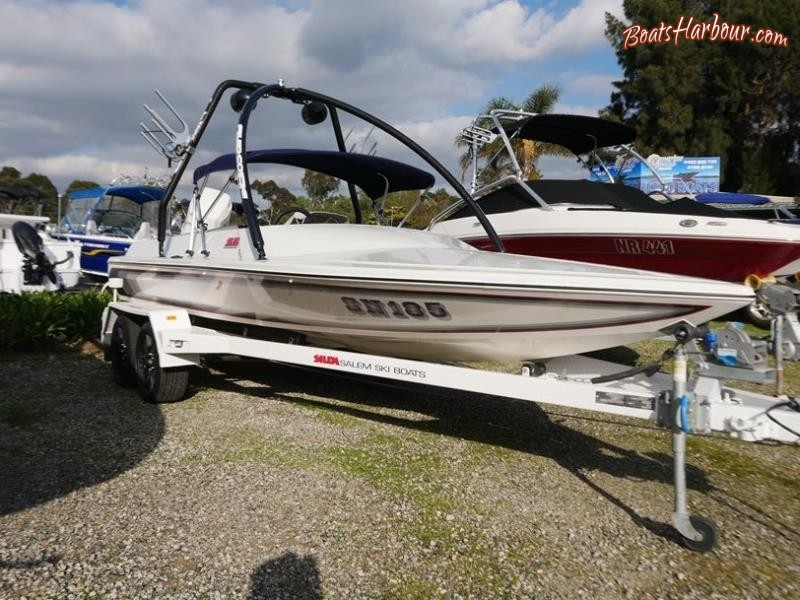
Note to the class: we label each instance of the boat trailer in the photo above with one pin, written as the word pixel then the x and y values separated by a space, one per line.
pixel 154 348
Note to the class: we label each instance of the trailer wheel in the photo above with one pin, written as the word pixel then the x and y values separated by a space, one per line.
pixel 157 385
pixel 121 368
pixel 708 535
pixel 533 369
pixel 759 314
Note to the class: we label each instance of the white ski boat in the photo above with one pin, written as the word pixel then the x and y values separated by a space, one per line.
pixel 391 291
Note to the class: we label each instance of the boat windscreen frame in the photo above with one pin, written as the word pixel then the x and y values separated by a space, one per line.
pixel 583 135
pixel 314 104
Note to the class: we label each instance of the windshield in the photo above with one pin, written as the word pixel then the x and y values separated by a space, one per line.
pixel 111 215
pixel 77 214
pixel 120 216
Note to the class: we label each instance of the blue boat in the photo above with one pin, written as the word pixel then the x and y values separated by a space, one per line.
pixel 105 220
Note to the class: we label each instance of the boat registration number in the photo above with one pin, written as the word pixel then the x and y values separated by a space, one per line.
pixel 395 308
pixel 643 246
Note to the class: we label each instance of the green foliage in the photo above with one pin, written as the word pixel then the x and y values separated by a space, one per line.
pixel 41 196
pixel 80 184
pixel 398 205
pixel 278 197
pixel 36 319
pixel 319 186
pixel 8 173
pixel 527 152
pixel 736 100
pixel 395 206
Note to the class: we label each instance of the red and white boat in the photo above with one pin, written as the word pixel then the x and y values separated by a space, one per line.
pixel 609 223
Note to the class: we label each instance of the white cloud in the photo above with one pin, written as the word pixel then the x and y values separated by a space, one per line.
pixel 581 29
pixel 85 166
pixel 449 33
pixel 74 74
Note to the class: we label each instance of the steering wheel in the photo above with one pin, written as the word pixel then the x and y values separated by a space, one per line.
pixel 290 211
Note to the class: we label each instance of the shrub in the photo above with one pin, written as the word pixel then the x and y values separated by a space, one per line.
pixel 35 319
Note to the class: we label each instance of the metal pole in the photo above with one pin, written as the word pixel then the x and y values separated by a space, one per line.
pixel 679 437
pixel 777 340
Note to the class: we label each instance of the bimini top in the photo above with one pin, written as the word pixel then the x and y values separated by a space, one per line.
pixel 373 174
pixel 578 133
pixel 137 193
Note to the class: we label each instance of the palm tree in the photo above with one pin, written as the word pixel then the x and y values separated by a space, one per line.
pixel 527 152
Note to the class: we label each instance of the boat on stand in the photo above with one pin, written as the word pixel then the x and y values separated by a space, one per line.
pixel 400 304
pixel 403 292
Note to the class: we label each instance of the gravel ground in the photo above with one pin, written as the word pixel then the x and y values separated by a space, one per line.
pixel 275 483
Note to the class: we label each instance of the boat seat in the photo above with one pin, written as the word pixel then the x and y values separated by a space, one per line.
pixel 143 232
pixel 91 227
pixel 215 207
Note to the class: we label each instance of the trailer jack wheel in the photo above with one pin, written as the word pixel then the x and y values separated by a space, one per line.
pixel 533 369
pixel 121 368
pixel 157 385
pixel 706 537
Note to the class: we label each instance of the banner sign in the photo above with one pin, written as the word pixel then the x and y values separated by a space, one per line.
pixel 680 174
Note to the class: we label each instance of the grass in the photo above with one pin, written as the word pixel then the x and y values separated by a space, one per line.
pixel 249 446
pixel 734 463
pixel 429 463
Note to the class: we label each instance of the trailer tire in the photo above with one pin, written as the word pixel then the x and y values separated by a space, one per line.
pixel 758 314
pixel 121 367
pixel 157 385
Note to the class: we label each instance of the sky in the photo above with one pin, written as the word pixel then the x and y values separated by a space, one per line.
pixel 75 74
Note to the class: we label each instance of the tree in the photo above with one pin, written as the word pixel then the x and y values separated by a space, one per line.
pixel 33 194
pixel 319 186
pixel 9 174
pixel 527 152
pixel 398 204
pixel 19 199
pixel 279 198
pixel 735 99
pixel 80 184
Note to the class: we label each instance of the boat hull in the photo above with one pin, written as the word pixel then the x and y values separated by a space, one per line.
pixel 95 251
pixel 419 295
pixel 723 249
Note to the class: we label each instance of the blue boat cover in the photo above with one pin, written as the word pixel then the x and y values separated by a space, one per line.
pixel 137 193
pixel 731 198
pixel 373 174
pixel 95 192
